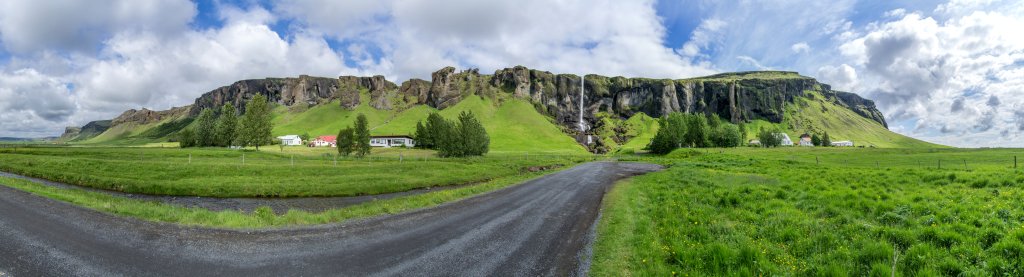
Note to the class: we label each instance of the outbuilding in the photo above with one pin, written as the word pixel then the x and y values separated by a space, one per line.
pixel 290 140
pixel 842 143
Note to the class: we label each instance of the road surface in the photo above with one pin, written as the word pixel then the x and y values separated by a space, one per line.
pixel 540 227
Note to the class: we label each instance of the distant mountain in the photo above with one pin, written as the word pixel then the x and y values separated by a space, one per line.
pixel 777 98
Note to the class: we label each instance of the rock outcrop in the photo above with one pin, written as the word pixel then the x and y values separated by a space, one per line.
pixel 88 131
pixel 146 116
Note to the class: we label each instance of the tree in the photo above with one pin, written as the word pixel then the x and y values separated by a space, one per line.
pixel 671 134
pixel 422 136
pixel 305 137
pixel 362 136
pixel 743 132
pixel 726 135
pixel 186 138
pixel 473 136
pixel 825 140
pixel 816 140
pixel 696 131
pixel 256 126
pixel 346 141
pixel 205 124
pixel 227 125
pixel 769 137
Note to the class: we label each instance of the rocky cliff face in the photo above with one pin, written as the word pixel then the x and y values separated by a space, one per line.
pixel 736 97
pixel 146 116
pixel 304 89
pixel 88 131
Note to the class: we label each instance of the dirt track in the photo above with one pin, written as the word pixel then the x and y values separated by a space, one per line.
pixel 540 227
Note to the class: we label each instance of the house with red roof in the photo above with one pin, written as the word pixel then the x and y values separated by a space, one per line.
pixel 324 141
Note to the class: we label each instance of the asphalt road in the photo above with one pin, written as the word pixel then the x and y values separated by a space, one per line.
pixel 539 228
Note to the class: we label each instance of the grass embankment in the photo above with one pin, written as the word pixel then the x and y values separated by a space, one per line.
pixel 263 217
pixel 831 212
pixel 268 173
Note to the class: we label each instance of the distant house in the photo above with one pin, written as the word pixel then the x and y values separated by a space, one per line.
pixel 754 142
pixel 290 140
pixel 392 141
pixel 842 143
pixel 784 139
pixel 805 140
pixel 324 141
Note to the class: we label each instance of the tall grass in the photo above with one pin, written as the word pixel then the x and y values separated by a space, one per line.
pixel 761 212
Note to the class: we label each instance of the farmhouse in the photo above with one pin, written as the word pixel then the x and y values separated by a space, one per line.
pixel 290 140
pixel 805 140
pixel 784 139
pixel 392 141
pixel 843 143
pixel 324 141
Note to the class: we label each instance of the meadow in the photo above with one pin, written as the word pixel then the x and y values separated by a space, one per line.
pixel 272 172
pixel 817 212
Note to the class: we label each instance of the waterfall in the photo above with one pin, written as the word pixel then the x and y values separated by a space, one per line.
pixel 582 126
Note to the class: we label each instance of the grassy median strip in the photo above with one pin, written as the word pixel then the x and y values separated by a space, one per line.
pixel 263 217
pixel 297 172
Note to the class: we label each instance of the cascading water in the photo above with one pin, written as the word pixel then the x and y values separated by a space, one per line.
pixel 583 127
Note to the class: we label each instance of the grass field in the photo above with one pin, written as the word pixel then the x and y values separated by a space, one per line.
pixel 295 172
pixel 818 212
pixel 263 217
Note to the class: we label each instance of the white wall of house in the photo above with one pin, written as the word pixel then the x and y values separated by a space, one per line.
pixel 290 140
pixel 392 142
pixel 843 143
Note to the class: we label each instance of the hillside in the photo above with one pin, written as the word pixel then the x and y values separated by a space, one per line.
pixel 533 110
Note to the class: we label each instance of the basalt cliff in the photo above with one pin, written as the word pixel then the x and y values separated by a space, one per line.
pixel 737 97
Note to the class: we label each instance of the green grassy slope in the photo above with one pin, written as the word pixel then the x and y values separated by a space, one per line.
pixel 818 116
pixel 645 127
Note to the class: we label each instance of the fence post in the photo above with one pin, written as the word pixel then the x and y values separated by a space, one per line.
pixel 1014 162
pixel 877 166
pixel 243 158
pixel 940 164
pixel 816 161
pixel 965 164
pixel 293 159
pixel 335 160
pixel 189 158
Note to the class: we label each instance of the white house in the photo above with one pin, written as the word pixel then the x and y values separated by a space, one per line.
pixel 392 141
pixel 290 140
pixel 324 141
pixel 805 140
pixel 842 143
pixel 784 139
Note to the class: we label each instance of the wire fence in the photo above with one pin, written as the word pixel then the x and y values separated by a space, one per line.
pixel 937 162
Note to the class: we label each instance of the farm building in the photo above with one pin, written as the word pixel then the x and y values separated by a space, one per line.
pixel 754 142
pixel 290 140
pixel 392 141
pixel 784 139
pixel 324 141
pixel 843 143
pixel 805 140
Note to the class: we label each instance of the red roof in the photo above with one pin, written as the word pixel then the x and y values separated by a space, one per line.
pixel 327 138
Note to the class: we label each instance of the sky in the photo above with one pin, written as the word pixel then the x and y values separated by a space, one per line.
pixel 946 72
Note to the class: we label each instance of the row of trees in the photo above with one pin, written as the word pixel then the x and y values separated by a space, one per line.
pixel 355 139
pixel 227 130
pixel 463 137
pixel 694 130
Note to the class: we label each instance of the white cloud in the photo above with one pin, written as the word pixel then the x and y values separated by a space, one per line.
pixel 801 47
pixel 33 104
pixel 29 25
pixel 753 62
pixel 604 37
pixel 916 66
pixel 842 77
